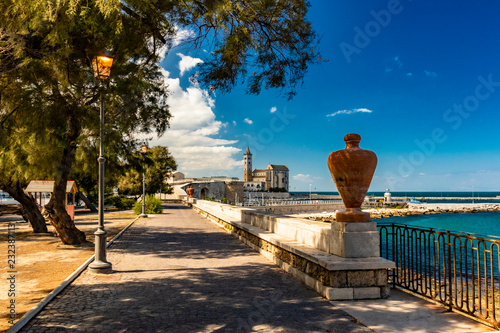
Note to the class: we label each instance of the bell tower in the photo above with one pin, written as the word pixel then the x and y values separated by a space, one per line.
pixel 247 161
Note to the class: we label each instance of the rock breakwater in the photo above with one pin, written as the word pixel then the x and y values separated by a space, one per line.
pixel 412 209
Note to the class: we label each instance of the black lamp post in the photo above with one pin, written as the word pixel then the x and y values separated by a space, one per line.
pixel 102 69
pixel 144 150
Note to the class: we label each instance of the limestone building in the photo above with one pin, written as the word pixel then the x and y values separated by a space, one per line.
pixel 273 175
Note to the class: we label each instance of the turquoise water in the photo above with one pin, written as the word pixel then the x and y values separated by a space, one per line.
pixel 418 194
pixel 466 197
pixel 487 224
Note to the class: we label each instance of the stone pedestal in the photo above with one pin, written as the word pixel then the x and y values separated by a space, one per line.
pixel 353 233
pixel 355 240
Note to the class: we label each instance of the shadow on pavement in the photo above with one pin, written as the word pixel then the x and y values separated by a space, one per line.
pixel 233 299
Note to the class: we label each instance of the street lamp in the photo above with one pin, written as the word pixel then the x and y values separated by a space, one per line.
pixel 144 150
pixel 102 69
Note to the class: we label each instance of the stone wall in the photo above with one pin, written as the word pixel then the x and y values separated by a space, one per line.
pixel 267 195
pixel 302 249
pixel 312 233
pixel 232 212
pixel 209 189
pixel 288 209
pixel 234 191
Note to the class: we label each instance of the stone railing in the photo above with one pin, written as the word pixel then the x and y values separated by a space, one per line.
pixel 304 249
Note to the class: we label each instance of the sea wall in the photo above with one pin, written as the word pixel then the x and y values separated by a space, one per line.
pixel 302 248
pixel 265 195
pixel 289 209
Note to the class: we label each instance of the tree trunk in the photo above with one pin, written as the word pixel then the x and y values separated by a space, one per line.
pixel 31 210
pixel 87 202
pixel 55 210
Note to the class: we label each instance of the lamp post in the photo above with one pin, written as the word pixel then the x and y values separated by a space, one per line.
pixel 102 69
pixel 144 150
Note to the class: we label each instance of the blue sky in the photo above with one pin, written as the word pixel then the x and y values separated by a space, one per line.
pixel 418 80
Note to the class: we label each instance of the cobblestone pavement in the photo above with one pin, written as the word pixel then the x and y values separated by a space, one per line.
pixel 178 272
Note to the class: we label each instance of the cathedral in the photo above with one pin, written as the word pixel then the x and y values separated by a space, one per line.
pixel 263 179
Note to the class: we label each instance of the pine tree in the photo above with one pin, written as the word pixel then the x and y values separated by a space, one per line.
pixel 49 98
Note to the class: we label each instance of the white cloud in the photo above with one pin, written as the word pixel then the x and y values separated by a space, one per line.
pixel 304 178
pixel 234 122
pixel 398 62
pixel 421 174
pixel 248 121
pixel 182 35
pixel 393 63
pixel 193 126
pixel 363 110
pixel 192 158
pixel 409 74
pixel 187 63
pixel 273 109
pixel 430 73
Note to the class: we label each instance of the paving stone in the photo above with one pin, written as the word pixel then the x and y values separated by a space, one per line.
pixel 179 272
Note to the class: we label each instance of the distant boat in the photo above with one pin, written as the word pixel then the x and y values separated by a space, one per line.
pixel 414 201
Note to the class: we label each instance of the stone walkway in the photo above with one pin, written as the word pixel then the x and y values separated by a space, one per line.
pixel 178 272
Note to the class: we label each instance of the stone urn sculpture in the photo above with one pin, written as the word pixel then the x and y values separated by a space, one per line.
pixel 352 170
pixel 190 191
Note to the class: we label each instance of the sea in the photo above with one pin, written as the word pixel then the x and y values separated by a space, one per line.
pixel 484 224
pixel 465 197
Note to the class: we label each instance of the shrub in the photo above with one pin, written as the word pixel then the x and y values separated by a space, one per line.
pixel 110 201
pixel 153 205
pixel 125 203
pixel 224 200
pixel 120 202
pixel 212 199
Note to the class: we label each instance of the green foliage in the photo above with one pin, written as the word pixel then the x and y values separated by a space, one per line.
pixel 263 43
pixel 224 200
pixel 205 198
pixel 153 205
pixel 157 163
pixel 50 99
pixel 120 202
pixel 130 183
pixel 277 189
pixel 211 198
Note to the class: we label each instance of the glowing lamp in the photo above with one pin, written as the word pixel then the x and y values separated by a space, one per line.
pixel 102 65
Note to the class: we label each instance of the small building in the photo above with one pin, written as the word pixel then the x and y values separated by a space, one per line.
pixel 230 189
pixel 255 186
pixel 37 187
pixel 176 176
